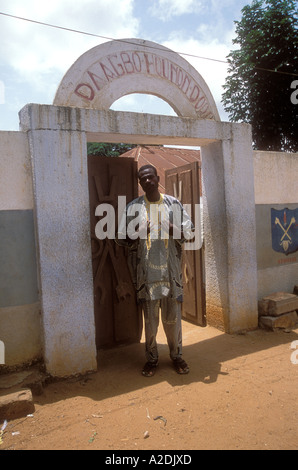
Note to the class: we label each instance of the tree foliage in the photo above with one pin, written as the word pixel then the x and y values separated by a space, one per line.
pixel 108 150
pixel 261 71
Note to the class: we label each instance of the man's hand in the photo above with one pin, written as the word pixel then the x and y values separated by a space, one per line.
pixel 144 229
pixel 170 228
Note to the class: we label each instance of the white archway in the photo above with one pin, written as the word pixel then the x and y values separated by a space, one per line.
pixel 112 70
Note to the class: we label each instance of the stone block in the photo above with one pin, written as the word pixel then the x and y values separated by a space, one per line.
pixel 16 405
pixel 277 304
pixel 263 306
pixel 285 321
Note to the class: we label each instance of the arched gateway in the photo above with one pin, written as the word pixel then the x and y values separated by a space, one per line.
pixel 58 137
pixel 107 72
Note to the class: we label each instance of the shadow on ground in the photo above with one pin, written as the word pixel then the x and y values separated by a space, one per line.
pixel 205 349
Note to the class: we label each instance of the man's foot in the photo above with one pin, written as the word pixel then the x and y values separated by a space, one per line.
pixel 180 366
pixel 149 369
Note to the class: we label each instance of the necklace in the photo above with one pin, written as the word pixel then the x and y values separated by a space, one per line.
pixel 155 213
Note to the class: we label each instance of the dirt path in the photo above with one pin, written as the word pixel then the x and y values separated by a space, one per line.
pixel 241 393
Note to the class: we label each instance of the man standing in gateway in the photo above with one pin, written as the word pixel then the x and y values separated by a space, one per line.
pixel 154 227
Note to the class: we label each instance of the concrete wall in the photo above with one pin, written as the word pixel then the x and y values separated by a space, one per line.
pixel 19 304
pixel 276 187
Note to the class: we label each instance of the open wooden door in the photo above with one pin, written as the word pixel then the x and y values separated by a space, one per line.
pixel 184 184
pixel 117 316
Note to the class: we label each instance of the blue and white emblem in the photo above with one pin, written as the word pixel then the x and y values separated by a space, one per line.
pixel 284 229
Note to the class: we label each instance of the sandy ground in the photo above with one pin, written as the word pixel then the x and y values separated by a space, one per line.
pixel 241 393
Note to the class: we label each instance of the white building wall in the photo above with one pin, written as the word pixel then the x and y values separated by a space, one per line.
pixel 20 329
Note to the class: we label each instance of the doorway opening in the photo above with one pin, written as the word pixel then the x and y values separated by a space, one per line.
pixel 113 173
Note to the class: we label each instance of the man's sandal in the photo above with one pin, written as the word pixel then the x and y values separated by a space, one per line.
pixel 149 369
pixel 180 366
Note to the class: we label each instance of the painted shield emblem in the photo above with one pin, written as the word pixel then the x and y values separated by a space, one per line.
pixel 284 229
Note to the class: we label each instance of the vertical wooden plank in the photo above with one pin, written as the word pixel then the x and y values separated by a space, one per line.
pixel 184 183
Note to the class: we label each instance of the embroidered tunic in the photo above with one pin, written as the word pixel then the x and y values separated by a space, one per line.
pixel 155 258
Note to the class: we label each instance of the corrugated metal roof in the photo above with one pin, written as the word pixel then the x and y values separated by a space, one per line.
pixel 163 158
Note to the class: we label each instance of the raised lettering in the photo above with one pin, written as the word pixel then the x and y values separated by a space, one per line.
pixel 185 84
pixel 128 65
pixel 148 63
pixel 158 66
pixel 109 74
pixel 194 94
pixel 128 62
pixel 179 78
pixel 83 90
pixel 98 81
pixel 165 69
pixel 119 71
pixel 137 61
pixel 205 108
pixel 173 73
pixel 201 102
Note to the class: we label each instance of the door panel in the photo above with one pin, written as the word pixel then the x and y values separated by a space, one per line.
pixel 184 184
pixel 117 315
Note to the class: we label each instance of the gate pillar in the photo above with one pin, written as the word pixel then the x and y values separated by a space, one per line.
pixel 230 231
pixel 62 221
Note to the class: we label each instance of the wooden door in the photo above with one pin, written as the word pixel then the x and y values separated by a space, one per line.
pixel 117 316
pixel 184 183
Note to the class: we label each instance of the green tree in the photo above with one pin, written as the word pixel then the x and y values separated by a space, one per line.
pixel 261 71
pixel 108 150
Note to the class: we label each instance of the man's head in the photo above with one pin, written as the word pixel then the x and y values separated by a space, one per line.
pixel 149 180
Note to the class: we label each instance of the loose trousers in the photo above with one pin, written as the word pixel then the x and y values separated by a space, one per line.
pixel 171 319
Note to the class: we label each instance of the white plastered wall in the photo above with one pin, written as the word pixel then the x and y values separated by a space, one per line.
pixel 20 329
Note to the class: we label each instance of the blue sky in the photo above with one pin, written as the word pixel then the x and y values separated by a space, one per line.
pixel 34 58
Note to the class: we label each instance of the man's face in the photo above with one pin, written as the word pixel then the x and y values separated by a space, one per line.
pixel 148 180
